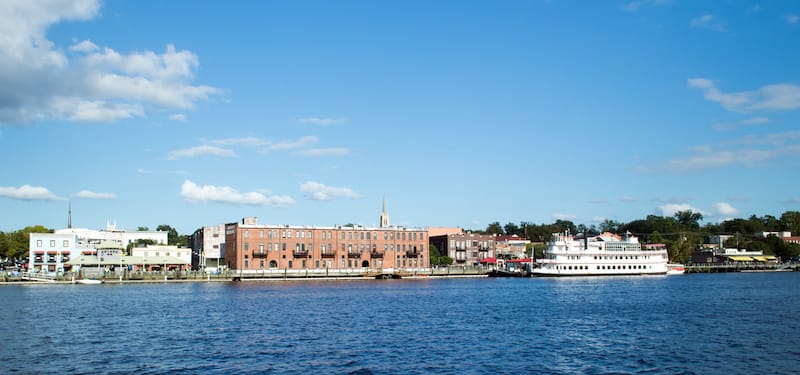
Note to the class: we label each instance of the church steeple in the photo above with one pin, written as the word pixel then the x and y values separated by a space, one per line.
pixel 69 216
pixel 384 214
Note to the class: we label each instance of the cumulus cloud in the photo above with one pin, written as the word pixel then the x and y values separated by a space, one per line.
pixel 756 121
pixel 781 96
pixel 28 193
pixel 323 121
pixel 88 194
pixel 304 142
pixel 320 192
pixel 634 6
pixel 180 117
pixel 725 209
pixel 193 193
pixel 792 19
pixel 749 151
pixel 628 198
pixel 86 83
pixel 198 151
pixel 670 209
pixel 708 21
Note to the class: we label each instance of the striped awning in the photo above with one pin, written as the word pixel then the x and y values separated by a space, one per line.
pixel 740 258
pixel 765 258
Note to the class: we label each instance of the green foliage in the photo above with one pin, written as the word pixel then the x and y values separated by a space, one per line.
pixel 494 228
pixel 15 245
pixel 142 229
pixel 173 238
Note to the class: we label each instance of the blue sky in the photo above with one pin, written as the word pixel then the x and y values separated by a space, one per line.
pixel 193 113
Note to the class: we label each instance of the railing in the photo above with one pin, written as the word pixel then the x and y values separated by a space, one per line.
pixel 354 255
pixel 376 254
pixel 300 253
pixel 329 255
pixel 412 253
pixel 259 254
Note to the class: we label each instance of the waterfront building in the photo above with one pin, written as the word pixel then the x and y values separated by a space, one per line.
pixel 54 252
pixel 730 255
pixel 51 251
pixel 250 246
pixel 208 247
pixel 466 249
pixel 511 247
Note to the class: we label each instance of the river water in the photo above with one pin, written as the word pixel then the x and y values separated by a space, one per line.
pixel 699 323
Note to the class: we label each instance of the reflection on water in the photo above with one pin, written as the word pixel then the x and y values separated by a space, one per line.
pixel 684 324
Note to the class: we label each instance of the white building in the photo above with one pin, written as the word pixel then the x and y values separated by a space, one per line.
pixel 53 251
pixel 50 251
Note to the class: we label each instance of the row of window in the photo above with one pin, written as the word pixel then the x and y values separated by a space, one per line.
pixel 327 235
pixel 301 247
pixel 350 263
pixel 602 267
pixel 52 243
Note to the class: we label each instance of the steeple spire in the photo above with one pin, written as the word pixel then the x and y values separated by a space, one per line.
pixel 69 216
pixel 384 214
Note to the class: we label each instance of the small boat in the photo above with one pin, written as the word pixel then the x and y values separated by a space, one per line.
pixel 88 281
pixel 675 269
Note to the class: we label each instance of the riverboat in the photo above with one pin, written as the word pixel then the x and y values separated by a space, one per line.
pixel 604 255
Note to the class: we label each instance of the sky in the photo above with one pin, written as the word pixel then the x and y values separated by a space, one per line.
pixel 459 113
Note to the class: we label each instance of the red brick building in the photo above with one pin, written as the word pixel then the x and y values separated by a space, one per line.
pixel 253 246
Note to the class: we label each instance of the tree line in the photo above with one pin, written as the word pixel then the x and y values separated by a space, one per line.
pixel 681 232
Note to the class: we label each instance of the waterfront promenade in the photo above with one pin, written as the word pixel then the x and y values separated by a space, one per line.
pixel 323 274
pixel 260 275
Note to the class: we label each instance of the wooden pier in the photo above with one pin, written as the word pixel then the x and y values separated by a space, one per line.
pixel 741 267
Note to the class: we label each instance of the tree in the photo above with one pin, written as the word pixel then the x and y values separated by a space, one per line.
pixel 494 228
pixel 609 225
pixel 433 254
pixel 142 229
pixel 512 229
pixel 688 218
pixel 173 238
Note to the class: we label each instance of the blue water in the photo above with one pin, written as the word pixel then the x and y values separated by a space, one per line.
pixel 705 323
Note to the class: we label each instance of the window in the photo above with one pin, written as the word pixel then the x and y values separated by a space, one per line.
pixel 261 249
pixel 52 243
pixel 66 243
pixel 261 235
pixel 38 243
pixel 246 233
pixel 246 247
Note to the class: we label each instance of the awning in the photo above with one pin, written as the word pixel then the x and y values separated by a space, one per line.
pixel 64 252
pixel 765 258
pixel 52 252
pixel 489 260
pixel 38 252
pixel 739 258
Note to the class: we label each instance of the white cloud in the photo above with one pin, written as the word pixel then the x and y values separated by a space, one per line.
pixel 560 216
pixel 88 194
pixel 756 121
pixel 628 198
pixel 323 121
pixel 191 192
pixel 39 80
pixel 241 141
pixel 204 150
pixel 330 151
pixel 598 201
pixel 599 219
pixel 634 6
pixel 725 209
pixel 670 209
pixel 28 193
pixel 320 192
pixel 301 143
pixel 708 21
pixel 180 117
pixel 792 19
pixel 781 96
pixel 748 151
